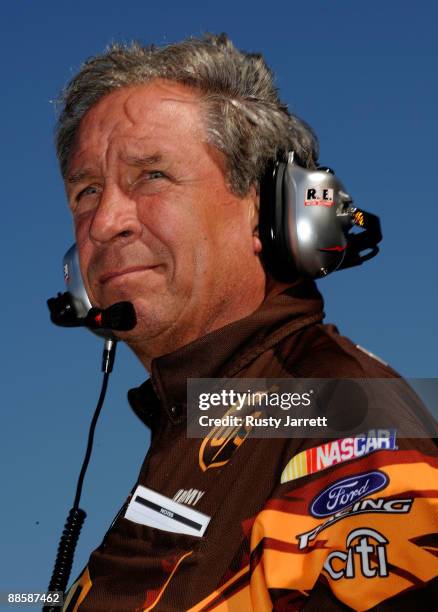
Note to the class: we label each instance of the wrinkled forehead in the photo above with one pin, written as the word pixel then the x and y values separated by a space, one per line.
pixel 160 113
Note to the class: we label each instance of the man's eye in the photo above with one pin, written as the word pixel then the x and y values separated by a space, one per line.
pixel 150 182
pixel 90 190
pixel 154 174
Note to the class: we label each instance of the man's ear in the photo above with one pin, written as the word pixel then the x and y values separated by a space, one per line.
pixel 253 211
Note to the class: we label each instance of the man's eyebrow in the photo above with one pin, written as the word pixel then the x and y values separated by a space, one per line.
pixel 142 160
pixel 80 175
pixel 131 160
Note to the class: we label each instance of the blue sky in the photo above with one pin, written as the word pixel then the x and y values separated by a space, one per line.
pixel 362 74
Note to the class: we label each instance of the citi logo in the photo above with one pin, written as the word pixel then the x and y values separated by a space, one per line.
pixel 365 554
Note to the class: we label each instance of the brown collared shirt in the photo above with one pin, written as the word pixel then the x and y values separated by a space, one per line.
pixel 268 544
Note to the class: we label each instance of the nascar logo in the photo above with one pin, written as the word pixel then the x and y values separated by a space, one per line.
pixel 322 457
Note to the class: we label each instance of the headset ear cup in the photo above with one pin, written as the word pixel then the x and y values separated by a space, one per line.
pixel 276 253
pixel 305 218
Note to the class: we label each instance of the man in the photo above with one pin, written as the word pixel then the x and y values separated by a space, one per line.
pixel 162 152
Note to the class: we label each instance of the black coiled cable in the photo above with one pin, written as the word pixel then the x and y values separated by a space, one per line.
pixel 66 549
pixel 76 516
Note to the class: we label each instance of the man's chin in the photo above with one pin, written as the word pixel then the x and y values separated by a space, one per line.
pixel 150 325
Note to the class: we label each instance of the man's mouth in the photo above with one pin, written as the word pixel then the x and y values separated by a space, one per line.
pixel 108 276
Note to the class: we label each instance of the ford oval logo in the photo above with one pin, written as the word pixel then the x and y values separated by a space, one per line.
pixel 345 492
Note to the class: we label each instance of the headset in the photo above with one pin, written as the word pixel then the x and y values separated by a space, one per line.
pixel 306 226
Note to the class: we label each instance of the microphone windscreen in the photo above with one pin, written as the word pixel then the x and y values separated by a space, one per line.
pixel 119 317
pixel 63 312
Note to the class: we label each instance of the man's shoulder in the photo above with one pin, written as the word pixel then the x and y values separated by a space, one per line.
pixel 322 352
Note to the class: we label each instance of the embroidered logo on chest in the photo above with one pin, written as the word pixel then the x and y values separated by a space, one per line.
pixel 190 497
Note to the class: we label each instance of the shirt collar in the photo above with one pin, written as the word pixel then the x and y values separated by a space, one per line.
pixel 226 351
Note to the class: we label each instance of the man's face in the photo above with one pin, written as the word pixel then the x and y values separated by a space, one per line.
pixel 155 220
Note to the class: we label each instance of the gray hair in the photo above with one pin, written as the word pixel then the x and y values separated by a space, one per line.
pixel 244 117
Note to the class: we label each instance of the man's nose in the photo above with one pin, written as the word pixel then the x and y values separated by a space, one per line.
pixel 115 216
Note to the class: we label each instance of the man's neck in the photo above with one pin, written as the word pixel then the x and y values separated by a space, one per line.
pixel 178 336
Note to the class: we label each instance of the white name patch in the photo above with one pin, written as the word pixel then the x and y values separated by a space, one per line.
pixel 147 507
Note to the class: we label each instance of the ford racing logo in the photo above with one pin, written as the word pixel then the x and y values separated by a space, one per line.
pixel 345 492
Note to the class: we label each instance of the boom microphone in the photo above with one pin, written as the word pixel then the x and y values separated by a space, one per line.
pixel 118 317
